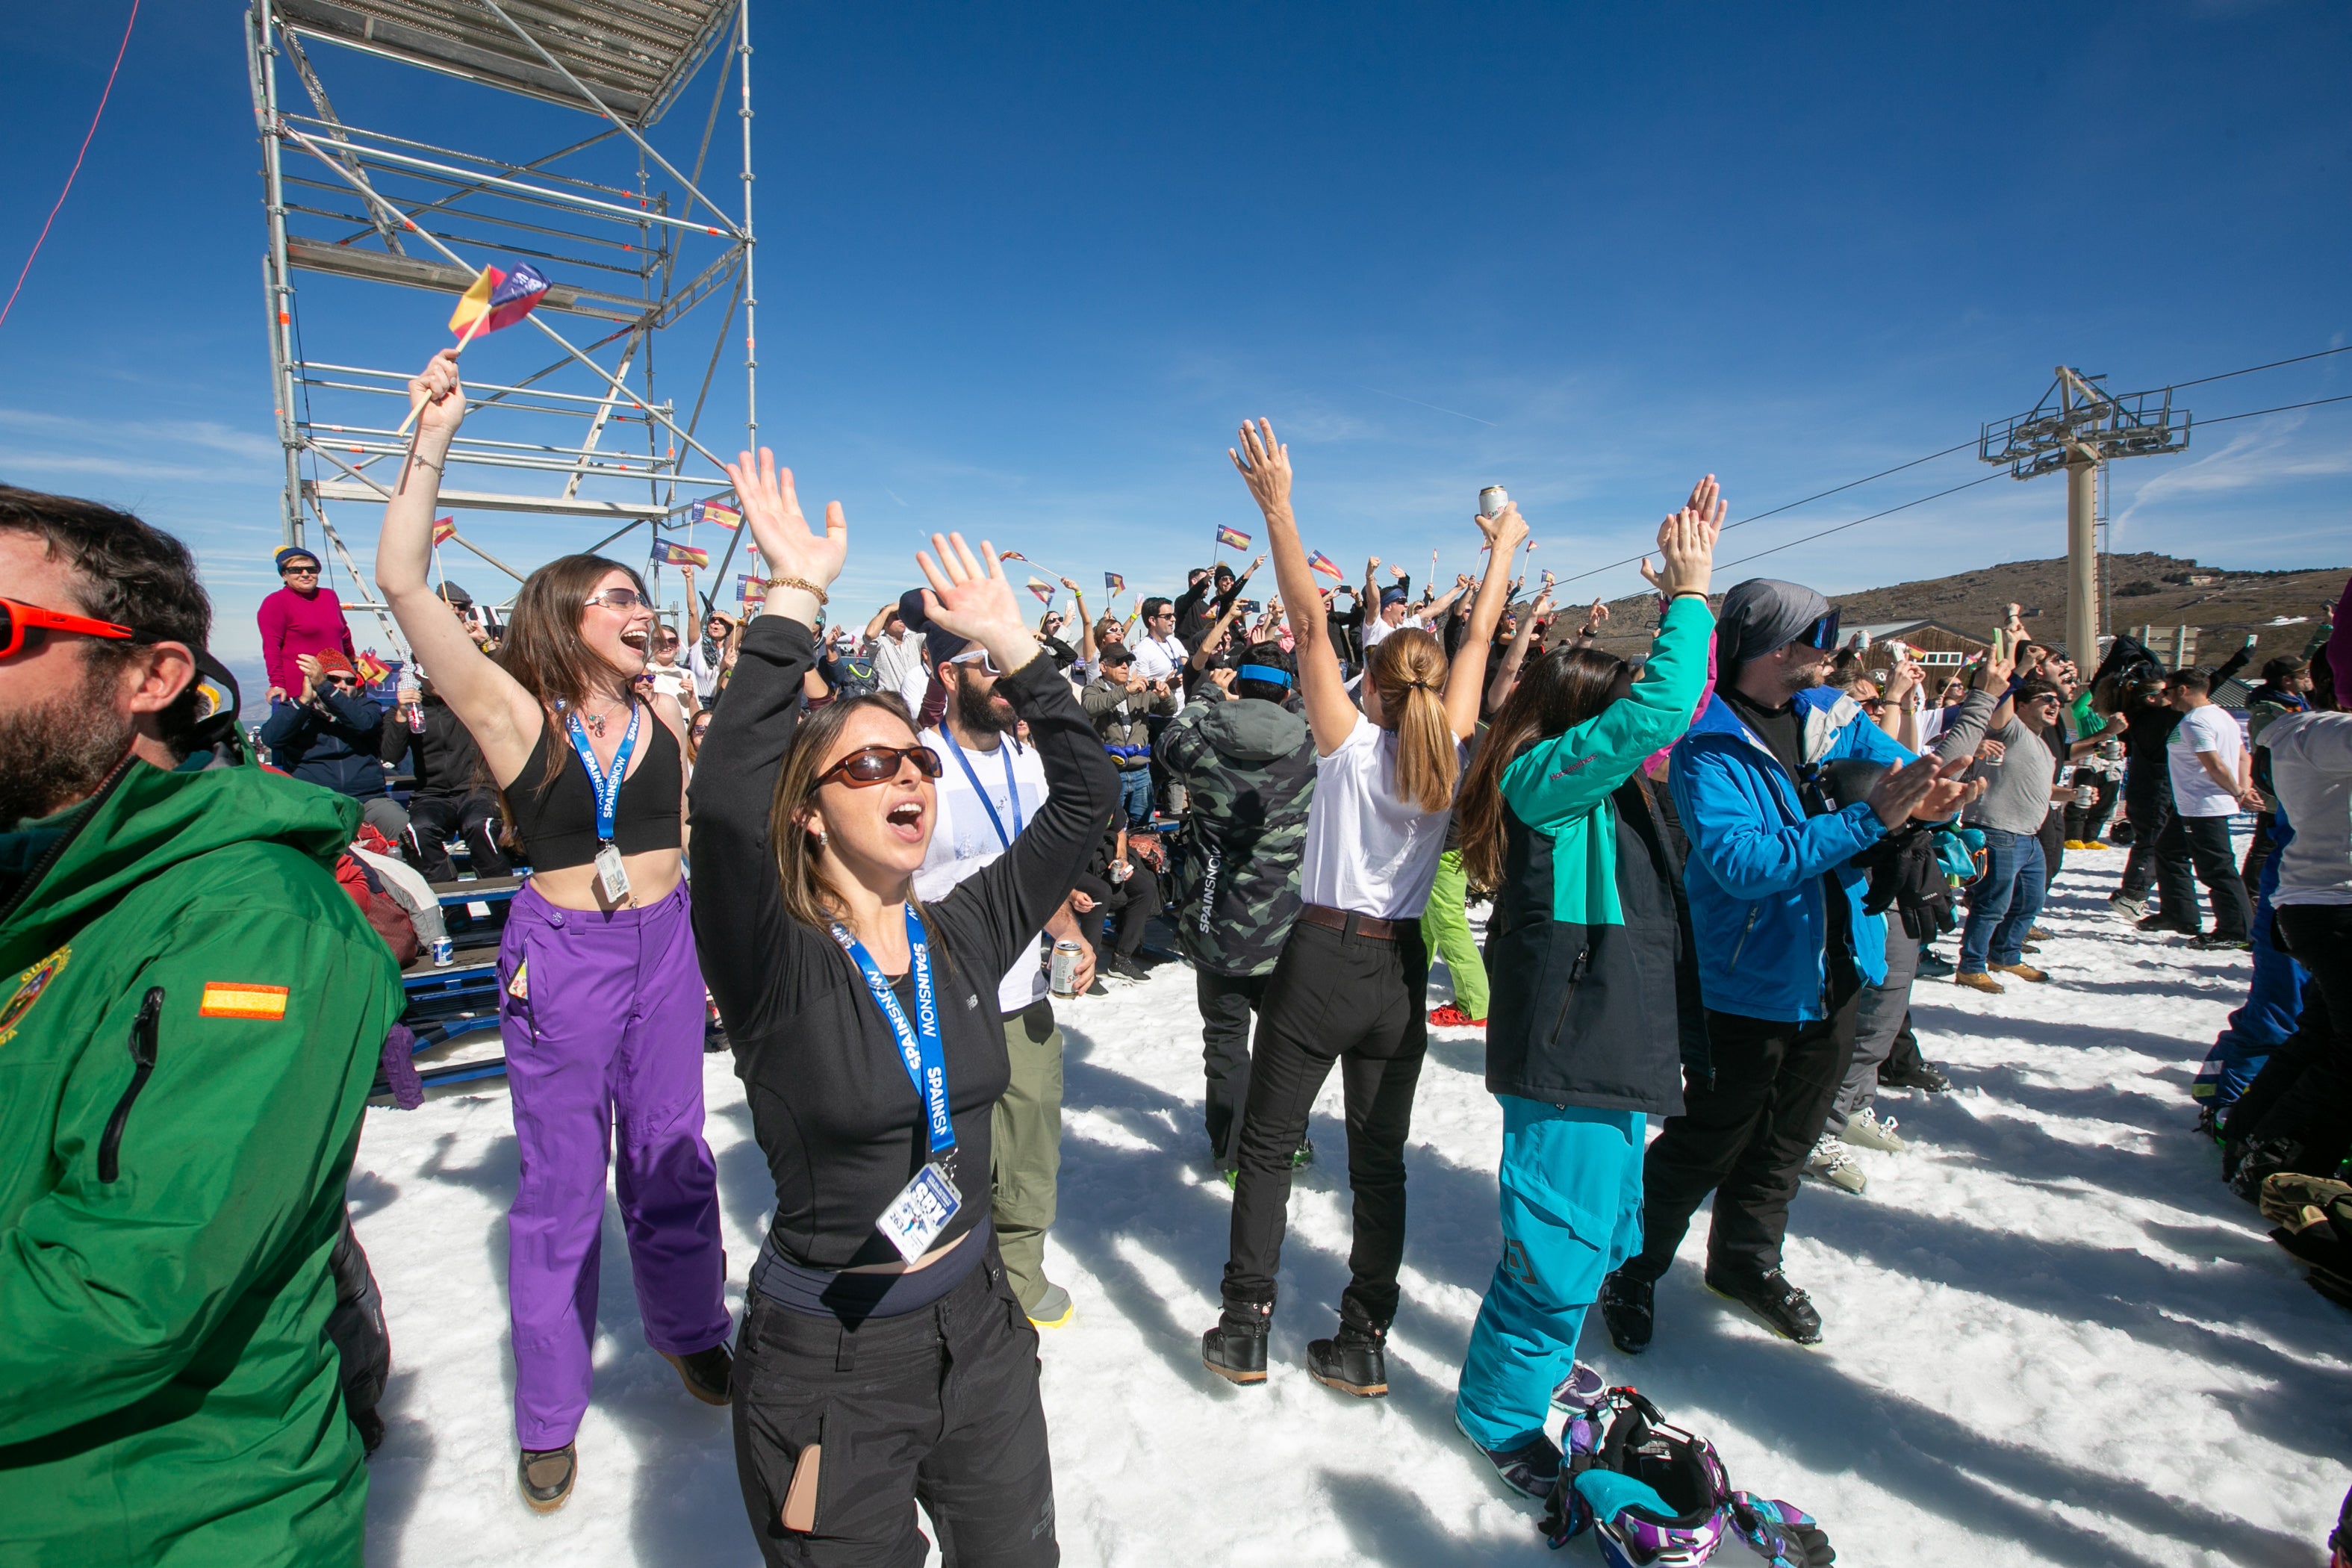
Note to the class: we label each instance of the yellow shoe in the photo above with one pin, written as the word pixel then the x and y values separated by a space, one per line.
pixel 1054 1308
pixel 1977 980
pixel 2024 972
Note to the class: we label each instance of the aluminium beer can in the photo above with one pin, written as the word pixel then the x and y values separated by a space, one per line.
pixel 1492 500
pixel 1065 968
pixel 445 952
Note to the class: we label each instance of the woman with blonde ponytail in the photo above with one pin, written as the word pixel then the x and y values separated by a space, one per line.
pixel 1348 990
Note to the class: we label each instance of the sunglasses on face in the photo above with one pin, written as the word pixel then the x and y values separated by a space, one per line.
pixel 18 619
pixel 622 599
pixel 870 766
pixel 341 681
pixel 299 572
pixel 979 656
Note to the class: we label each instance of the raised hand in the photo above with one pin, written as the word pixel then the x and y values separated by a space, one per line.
pixel 773 509
pixel 437 401
pixel 1398 572
pixel 1922 787
pixel 1264 464
pixel 1504 531
pixel 1687 543
pixel 971 596
pixel 1997 666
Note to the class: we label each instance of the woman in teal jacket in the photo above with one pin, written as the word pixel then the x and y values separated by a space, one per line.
pixel 1585 947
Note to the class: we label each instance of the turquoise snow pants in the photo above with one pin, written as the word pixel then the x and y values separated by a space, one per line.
pixel 1571 1199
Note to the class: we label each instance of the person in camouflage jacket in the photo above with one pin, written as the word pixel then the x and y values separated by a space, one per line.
pixel 1248 771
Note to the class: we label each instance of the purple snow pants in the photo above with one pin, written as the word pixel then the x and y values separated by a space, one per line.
pixel 609 1030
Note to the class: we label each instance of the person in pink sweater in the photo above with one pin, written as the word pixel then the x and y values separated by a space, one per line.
pixel 302 617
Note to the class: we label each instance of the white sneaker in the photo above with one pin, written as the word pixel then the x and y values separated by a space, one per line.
pixel 1832 1163
pixel 2131 911
pixel 1871 1130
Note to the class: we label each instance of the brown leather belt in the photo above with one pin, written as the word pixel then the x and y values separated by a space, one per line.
pixel 1349 923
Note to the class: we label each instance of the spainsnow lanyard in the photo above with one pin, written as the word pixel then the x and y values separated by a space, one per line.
pixel 918 1042
pixel 607 787
pixel 1011 788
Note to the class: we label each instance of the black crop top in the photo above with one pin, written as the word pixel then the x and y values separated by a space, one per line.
pixel 558 821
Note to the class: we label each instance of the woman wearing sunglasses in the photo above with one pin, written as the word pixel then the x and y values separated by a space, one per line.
pixel 884 1355
pixel 601 999
pixel 303 617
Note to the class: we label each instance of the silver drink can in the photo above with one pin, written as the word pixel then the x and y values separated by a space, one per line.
pixel 1492 500
pixel 1065 968
pixel 445 952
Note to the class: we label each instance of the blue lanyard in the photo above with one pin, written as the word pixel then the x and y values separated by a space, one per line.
pixel 607 785
pixel 1011 787
pixel 918 1049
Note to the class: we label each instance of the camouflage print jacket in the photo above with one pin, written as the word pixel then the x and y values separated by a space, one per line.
pixel 1248 771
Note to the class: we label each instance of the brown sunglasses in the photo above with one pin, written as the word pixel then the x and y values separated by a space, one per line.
pixel 870 766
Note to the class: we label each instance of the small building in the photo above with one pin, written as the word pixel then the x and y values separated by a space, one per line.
pixel 1934 643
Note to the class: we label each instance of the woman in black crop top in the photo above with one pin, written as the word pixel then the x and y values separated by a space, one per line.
pixel 599 998
pixel 864 1380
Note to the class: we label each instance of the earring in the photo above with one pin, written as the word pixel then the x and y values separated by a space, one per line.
pixel 820 842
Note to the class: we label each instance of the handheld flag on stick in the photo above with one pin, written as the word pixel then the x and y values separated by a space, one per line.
pixel 1232 538
pixel 497 299
pixel 717 513
pixel 372 670
pixel 444 528
pixel 675 554
pixel 1043 589
pixel 1319 562
pixel 1113 583
pixel 752 591
pixel 1015 555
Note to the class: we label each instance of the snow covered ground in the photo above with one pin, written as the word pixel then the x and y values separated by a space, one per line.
pixel 2053 1337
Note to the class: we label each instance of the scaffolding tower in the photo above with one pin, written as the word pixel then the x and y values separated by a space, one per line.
pixel 633 243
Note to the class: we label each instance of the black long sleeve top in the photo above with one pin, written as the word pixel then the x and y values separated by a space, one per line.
pixel 831 1107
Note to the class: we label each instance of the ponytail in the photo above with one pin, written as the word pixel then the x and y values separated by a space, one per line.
pixel 1408 668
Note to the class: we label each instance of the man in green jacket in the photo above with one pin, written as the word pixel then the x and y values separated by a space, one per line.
pixel 190 1015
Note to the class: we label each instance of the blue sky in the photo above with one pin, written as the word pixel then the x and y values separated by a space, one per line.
pixel 1023 269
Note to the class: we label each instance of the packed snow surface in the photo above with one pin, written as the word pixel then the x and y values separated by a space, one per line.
pixel 2052 1335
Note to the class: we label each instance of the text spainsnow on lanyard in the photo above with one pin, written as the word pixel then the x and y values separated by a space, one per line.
pixel 607 787
pixel 926 1204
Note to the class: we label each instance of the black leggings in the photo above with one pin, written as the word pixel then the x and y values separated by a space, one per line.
pixel 939 1404
pixel 1357 1001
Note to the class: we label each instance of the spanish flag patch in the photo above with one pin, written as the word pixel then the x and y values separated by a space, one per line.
pixel 227 999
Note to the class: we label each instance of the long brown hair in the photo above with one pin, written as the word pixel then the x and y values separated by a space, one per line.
pixel 1408 668
pixel 807 898
pixel 543 649
pixel 1558 692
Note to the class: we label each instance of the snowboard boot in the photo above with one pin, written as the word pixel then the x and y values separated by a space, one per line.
pixel 1786 1310
pixel 706 1374
pixel 1627 1309
pixel 1354 1361
pixel 1531 1470
pixel 1924 1075
pixel 546 1476
pixel 1583 1394
pixel 1236 1349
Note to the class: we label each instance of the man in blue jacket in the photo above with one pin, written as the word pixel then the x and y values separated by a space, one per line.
pixel 331 734
pixel 1784 948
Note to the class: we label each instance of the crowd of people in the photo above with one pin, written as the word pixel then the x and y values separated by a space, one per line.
pixel 879 849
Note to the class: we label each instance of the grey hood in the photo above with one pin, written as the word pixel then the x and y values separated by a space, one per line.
pixel 1759 616
pixel 1251 732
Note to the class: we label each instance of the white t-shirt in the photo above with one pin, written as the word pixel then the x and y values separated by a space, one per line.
pixel 964 839
pixel 671 679
pixel 1377 630
pixel 898 665
pixel 1163 658
pixel 2194 793
pixel 1367 851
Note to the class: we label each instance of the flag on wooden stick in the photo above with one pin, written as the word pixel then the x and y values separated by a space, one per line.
pixel 673 554
pixel 1319 562
pixel 1232 538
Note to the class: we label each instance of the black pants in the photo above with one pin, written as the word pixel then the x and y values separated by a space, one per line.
pixel 940 1405
pixel 430 818
pixel 2258 854
pixel 362 1344
pixel 2085 822
pixel 1226 1001
pixel 2148 799
pixel 1904 1056
pixel 2053 846
pixel 2303 1093
pixel 2204 843
pixel 1357 1001
pixel 1743 1135
pixel 1136 900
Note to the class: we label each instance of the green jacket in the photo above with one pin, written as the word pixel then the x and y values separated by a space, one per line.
pixel 174 1135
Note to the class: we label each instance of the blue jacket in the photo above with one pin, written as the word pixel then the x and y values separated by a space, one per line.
pixel 340 748
pixel 1754 874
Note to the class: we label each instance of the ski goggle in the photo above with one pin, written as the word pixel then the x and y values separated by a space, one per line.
pixel 17 618
pixel 1635 1538
pixel 870 766
pixel 1824 632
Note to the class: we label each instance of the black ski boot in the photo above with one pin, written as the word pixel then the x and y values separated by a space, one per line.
pixel 1626 1308
pixel 1787 1309
pixel 1531 1470
pixel 709 1376
pixel 1236 1349
pixel 1925 1076
pixel 1355 1361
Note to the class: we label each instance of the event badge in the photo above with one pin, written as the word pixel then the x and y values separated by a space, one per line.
pixel 612 874
pixel 922 1209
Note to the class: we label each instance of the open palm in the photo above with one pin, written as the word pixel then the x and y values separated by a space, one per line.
pixel 772 509
pixel 970 594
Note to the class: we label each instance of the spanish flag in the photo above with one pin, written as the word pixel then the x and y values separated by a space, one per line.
pixel 372 670
pixel 718 513
pixel 1043 589
pixel 1319 562
pixel 444 528
pixel 675 554
pixel 231 999
pixel 497 299
pixel 1232 538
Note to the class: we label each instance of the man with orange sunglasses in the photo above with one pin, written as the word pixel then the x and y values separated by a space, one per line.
pixel 190 1017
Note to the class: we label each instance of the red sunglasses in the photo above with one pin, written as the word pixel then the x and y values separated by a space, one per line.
pixel 870 766
pixel 17 618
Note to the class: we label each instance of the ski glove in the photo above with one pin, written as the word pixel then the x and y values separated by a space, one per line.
pixel 1783 1535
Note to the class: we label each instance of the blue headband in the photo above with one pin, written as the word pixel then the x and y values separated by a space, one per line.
pixel 1264 672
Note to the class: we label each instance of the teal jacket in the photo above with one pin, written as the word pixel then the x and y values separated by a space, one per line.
pixel 191 1010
